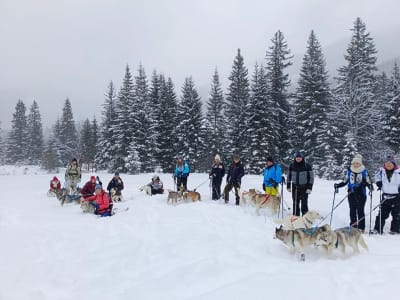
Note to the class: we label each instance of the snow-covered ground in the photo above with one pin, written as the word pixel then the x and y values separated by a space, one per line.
pixel 203 250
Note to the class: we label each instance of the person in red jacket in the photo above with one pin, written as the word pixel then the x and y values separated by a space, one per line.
pixel 100 201
pixel 89 187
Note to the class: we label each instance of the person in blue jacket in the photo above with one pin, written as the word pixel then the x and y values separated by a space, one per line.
pixel 181 174
pixel 272 177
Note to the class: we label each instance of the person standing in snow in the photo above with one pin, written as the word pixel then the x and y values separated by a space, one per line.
pixel 300 180
pixel 388 181
pixel 181 174
pixel 272 177
pixel 234 178
pixel 357 179
pixel 216 175
pixel 73 176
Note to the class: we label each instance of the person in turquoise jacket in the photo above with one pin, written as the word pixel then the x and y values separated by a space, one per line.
pixel 272 177
pixel 181 174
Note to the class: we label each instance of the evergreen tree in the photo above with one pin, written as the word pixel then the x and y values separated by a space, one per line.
pixel 166 125
pixel 215 125
pixel 86 143
pixel 2 147
pixel 189 127
pixel 312 101
pixel 106 144
pixel 260 130
pixel 237 99
pixel 35 132
pixel 67 135
pixel 357 110
pixel 18 140
pixel 278 59
pixel 392 128
pixel 50 158
pixel 122 127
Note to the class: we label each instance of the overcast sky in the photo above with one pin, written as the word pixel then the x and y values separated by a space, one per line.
pixel 54 49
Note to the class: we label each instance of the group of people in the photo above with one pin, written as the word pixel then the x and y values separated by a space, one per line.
pixel 299 182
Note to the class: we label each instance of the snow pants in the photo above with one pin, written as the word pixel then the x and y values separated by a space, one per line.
pixel 357 203
pixel 389 206
pixel 300 198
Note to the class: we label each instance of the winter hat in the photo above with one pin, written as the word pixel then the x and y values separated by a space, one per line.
pixel 217 157
pixel 391 159
pixel 97 187
pixel 357 159
pixel 74 159
pixel 55 178
pixel 269 158
pixel 116 173
pixel 236 156
pixel 298 154
pixel 92 178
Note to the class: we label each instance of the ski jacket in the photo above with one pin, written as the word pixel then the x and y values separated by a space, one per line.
pixel 273 175
pixel 102 200
pixel 217 172
pixel 73 172
pixel 235 173
pixel 88 189
pixel 55 184
pixel 356 181
pixel 182 171
pixel 116 183
pixel 300 175
pixel 390 185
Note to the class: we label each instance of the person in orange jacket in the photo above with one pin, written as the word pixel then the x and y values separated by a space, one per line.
pixel 100 201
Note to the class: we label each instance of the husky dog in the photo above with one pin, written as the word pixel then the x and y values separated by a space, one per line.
pixel 299 239
pixel 266 201
pixel 297 222
pixel 246 196
pixel 146 188
pixel 329 240
pixel 174 196
pixel 114 196
pixel 87 208
pixel 194 196
pixel 352 237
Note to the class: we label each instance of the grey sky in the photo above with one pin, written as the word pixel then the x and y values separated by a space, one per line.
pixel 53 49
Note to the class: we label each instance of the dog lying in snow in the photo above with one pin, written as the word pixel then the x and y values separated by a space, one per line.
pixel 296 222
pixel 114 196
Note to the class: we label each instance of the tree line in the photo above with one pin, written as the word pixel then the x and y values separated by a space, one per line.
pixel 145 125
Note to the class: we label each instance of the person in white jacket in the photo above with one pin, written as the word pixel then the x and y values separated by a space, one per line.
pixel 388 181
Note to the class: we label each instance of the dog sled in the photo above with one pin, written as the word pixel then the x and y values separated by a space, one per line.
pixel 70 196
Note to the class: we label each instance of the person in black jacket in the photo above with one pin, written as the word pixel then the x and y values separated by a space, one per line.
pixel 234 178
pixel 216 175
pixel 116 183
pixel 300 180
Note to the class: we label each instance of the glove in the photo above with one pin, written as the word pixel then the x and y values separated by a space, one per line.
pixel 289 189
pixel 273 182
pixel 336 187
pixel 308 191
pixel 379 185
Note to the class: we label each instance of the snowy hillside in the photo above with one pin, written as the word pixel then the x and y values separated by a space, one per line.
pixel 203 250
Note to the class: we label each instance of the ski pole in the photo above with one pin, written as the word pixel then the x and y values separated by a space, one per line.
pixel 281 206
pixel 333 204
pixel 200 184
pixel 336 206
pixel 370 212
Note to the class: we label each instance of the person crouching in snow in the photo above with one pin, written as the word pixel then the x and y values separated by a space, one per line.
pixel 388 181
pixel 55 187
pixel 99 203
pixel 115 183
pixel 156 185
pixel 89 188
pixel 356 179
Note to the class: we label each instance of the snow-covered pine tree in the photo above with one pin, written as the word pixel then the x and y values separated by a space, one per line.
pixel 35 129
pixel 50 158
pixel 312 101
pixel 260 131
pixel 122 127
pixel 18 139
pixel 215 117
pixel 140 113
pixel 2 147
pixel 67 135
pixel 106 144
pixel 86 144
pixel 392 128
pixel 278 59
pixel 189 126
pixel 165 125
pixel 358 112
pixel 236 112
